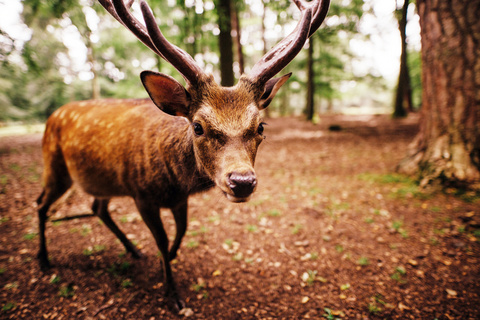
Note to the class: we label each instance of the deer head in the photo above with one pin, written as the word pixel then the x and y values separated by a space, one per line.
pixel 225 123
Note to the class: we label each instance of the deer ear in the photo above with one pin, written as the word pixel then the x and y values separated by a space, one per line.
pixel 166 92
pixel 271 88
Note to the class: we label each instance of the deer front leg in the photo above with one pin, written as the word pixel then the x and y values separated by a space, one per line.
pixel 100 208
pixel 180 216
pixel 151 216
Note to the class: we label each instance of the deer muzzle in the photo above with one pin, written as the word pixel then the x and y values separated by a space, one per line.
pixel 241 185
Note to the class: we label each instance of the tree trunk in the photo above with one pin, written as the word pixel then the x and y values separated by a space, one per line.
pixel 225 42
pixel 447 148
pixel 237 37
pixel 265 49
pixel 403 99
pixel 92 62
pixel 310 105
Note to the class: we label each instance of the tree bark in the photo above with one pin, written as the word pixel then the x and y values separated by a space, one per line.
pixel 310 105
pixel 225 41
pixel 403 99
pixel 447 148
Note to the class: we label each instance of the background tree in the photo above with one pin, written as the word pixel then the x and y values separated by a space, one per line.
pixel 328 54
pixel 447 148
pixel 237 35
pixel 225 42
pixel 403 96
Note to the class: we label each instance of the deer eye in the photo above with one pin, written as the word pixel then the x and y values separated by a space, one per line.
pixel 198 129
pixel 261 128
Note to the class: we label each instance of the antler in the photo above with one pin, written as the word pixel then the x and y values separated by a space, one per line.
pixel 153 38
pixel 313 14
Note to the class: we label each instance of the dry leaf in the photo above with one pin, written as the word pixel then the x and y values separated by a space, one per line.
pixel 187 312
pixel 451 292
pixel 470 214
pixel 402 307
pixel 305 300
pixel 413 262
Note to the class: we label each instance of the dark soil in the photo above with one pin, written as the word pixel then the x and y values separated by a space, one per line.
pixel 332 232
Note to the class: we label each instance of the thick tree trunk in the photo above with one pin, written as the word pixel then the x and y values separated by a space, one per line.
pixel 403 99
pixel 225 41
pixel 447 148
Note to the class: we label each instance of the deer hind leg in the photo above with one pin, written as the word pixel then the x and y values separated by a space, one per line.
pixel 57 182
pixel 180 216
pixel 151 216
pixel 100 208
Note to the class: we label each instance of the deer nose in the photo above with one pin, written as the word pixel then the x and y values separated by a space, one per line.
pixel 242 184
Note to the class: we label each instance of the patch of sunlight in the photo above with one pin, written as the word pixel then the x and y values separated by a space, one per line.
pixel 16 130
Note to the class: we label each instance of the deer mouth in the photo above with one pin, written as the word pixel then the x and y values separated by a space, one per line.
pixel 236 199
pixel 239 187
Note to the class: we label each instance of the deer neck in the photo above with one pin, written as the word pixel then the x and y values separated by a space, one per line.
pixel 177 154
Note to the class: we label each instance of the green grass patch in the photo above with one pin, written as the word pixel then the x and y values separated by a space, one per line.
pixel 126 283
pixel 9 306
pixel 363 261
pixel 67 291
pixel 29 236
pixel 297 228
pixel 192 244
pixel 274 213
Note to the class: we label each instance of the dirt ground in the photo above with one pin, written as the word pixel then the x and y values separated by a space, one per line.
pixel 331 233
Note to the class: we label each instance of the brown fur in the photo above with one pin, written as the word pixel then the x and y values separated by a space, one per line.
pixel 131 148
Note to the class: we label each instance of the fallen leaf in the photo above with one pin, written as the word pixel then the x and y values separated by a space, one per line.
pixel 301 243
pixel 187 312
pixel 413 262
pixel 470 214
pixel 216 273
pixel 447 262
pixel 451 292
pixel 402 307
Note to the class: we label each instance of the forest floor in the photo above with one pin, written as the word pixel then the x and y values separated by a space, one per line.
pixel 331 233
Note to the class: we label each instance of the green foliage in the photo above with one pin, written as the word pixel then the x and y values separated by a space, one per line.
pixel 45 77
pixel 415 71
pixel 363 261
pixel 9 306
pixel 29 236
pixel 67 291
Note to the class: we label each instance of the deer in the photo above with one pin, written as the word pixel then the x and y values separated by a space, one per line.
pixel 180 141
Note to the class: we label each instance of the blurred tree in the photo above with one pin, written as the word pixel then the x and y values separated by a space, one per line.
pixel 415 71
pixel 328 53
pixel 31 83
pixel 403 97
pixel 447 148
pixel 225 42
pixel 237 35
pixel 39 14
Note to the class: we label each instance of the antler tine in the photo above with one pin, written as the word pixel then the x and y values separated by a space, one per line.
pixel 318 16
pixel 152 37
pixel 180 59
pixel 126 19
pixel 281 54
